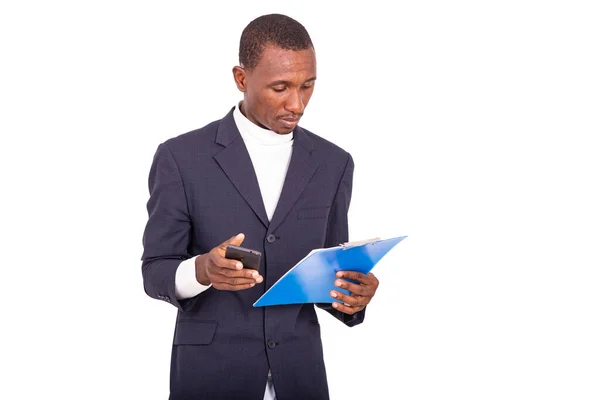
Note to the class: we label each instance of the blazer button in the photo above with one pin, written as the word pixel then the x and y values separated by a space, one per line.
pixel 271 238
pixel 271 344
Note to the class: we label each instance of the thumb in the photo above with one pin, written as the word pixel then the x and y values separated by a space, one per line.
pixel 234 240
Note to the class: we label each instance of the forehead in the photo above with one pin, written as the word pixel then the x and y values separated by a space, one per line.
pixel 279 64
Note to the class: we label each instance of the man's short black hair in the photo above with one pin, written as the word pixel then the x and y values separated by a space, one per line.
pixel 272 29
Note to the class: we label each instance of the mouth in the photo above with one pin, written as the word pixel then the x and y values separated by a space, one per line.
pixel 290 122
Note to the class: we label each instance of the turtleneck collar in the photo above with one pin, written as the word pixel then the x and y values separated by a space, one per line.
pixel 250 131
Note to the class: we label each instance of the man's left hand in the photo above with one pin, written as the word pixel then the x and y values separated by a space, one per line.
pixel 361 292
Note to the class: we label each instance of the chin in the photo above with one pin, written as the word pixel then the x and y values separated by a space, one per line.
pixel 282 130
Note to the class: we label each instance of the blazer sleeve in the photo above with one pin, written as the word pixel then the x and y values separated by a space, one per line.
pixel 337 232
pixel 167 234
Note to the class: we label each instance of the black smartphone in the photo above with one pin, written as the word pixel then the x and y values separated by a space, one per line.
pixel 249 258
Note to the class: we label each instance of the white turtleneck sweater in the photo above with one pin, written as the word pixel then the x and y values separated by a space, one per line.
pixel 270 153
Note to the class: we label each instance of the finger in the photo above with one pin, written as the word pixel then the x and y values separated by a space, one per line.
pixel 232 282
pixel 229 287
pixel 359 290
pixel 218 261
pixel 346 309
pixel 228 263
pixel 244 273
pixel 353 301
pixel 356 276
pixel 235 240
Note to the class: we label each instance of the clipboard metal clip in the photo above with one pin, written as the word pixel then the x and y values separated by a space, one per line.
pixel 354 243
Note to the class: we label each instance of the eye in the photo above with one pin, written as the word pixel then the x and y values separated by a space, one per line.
pixel 279 89
pixel 307 86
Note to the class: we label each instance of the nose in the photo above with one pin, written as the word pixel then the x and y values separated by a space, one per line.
pixel 295 102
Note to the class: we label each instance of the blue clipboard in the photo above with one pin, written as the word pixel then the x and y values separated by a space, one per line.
pixel 312 279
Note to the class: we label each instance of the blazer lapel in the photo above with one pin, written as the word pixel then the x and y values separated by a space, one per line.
pixel 235 161
pixel 301 169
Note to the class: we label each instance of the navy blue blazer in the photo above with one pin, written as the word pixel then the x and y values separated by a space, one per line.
pixel 203 190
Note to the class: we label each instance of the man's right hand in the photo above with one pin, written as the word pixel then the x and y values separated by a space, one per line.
pixel 223 273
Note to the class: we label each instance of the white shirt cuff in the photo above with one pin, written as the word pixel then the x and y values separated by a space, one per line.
pixel 186 284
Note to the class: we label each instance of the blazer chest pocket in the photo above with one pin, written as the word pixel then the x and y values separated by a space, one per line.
pixel 312 213
pixel 194 332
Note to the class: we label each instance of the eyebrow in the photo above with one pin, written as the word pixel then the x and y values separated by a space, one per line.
pixel 282 82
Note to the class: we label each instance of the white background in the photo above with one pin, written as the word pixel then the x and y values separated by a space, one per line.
pixel 473 125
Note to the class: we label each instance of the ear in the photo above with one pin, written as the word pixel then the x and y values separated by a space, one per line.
pixel 239 75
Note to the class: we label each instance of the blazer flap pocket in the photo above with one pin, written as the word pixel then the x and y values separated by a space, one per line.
pixel 195 332
pixel 309 213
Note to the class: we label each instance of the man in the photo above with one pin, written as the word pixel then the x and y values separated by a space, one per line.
pixel 254 177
